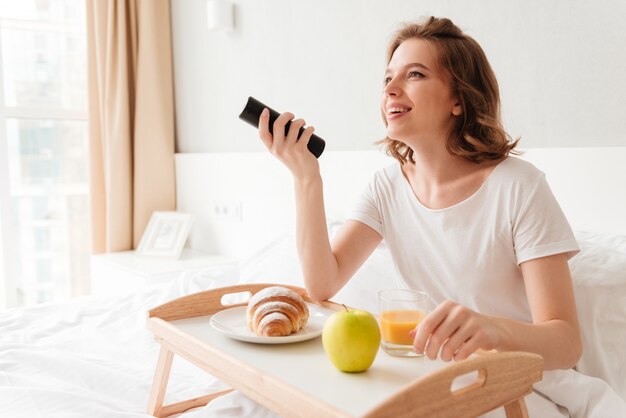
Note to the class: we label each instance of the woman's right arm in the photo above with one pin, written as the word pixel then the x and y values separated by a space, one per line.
pixel 326 268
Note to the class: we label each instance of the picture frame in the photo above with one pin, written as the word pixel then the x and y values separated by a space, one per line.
pixel 165 235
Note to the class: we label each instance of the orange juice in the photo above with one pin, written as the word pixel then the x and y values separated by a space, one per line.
pixel 396 325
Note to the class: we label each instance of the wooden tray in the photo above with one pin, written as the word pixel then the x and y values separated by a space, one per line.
pixel 297 380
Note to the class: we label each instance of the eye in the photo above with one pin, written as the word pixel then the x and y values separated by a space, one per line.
pixel 416 74
pixel 386 80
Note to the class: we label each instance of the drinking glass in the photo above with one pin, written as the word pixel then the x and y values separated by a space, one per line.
pixel 401 310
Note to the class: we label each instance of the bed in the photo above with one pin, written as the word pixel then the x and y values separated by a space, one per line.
pixel 94 357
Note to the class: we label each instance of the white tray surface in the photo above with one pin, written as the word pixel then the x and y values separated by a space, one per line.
pixel 305 366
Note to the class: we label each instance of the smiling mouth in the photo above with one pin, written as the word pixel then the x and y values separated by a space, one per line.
pixel 398 111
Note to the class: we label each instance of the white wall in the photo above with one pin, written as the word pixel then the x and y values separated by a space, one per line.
pixel 258 192
pixel 561 66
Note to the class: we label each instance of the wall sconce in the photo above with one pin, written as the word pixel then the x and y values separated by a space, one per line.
pixel 220 15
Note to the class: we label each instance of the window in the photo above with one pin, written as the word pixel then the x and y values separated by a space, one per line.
pixel 43 151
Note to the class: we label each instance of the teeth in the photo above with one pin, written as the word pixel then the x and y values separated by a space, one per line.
pixel 398 110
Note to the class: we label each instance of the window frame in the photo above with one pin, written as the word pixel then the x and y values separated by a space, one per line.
pixel 8 287
pixel 8 254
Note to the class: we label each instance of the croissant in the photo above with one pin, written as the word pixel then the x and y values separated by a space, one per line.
pixel 276 311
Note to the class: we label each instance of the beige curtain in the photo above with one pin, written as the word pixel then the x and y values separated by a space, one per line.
pixel 131 118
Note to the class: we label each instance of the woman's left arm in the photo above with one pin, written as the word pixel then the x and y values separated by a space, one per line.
pixel 457 331
pixel 555 333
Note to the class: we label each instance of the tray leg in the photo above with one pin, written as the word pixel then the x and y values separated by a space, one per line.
pixel 159 384
pixel 180 407
pixel 516 409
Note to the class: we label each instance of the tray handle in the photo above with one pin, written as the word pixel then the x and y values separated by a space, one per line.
pixel 209 302
pixel 503 378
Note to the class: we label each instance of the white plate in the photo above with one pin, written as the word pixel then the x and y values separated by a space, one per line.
pixel 232 322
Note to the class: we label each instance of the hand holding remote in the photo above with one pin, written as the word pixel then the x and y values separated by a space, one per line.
pixel 252 112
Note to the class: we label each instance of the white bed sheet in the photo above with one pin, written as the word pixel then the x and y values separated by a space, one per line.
pixel 599 276
pixel 93 357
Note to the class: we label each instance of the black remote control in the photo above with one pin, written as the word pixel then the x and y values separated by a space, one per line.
pixel 252 112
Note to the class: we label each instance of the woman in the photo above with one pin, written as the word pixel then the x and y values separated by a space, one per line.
pixel 478 230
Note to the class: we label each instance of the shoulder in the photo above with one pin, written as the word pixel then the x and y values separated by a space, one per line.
pixel 384 183
pixel 515 172
pixel 388 176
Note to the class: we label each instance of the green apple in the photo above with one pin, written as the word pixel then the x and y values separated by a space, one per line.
pixel 351 339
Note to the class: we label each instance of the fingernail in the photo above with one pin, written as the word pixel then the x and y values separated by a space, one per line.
pixel 265 112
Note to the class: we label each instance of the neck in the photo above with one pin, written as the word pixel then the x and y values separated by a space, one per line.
pixel 434 165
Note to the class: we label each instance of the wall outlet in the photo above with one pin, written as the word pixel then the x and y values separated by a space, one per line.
pixel 231 211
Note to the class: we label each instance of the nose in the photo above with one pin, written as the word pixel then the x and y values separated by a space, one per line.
pixel 392 88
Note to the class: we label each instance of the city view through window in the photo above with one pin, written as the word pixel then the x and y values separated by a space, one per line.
pixel 44 154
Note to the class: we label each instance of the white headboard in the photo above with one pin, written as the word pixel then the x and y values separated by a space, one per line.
pixel 240 201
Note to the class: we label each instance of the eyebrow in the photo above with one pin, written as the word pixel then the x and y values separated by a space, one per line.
pixel 412 64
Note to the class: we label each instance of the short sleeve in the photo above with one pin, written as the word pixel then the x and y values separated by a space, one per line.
pixel 540 228
pixel 367 209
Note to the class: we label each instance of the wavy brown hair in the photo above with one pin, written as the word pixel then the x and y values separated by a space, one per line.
pixel 478 134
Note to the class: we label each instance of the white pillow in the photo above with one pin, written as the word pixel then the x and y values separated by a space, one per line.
pixel 599 277
pixel 278 262
pixel 612 242
pixel 377 273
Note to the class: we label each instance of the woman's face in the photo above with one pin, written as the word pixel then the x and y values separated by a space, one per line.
pixel 417 97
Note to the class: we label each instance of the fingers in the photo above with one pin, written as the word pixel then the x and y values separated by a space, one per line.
pixel 264 132
pixel 428 326
pixel 445 335
pixel 306 135
pixel 452 331
pixel 278 128
pixel 454 343
pixel 467 349
pixel 288 147
pixel 439 337
pixel 277 135
pixel 294 130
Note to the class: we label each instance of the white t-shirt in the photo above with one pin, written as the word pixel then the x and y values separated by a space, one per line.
pixel 470 252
